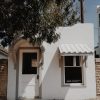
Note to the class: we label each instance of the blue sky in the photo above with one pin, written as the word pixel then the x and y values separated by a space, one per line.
pixel 91 16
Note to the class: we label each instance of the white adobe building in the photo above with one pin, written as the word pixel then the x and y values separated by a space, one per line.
pixel 64 70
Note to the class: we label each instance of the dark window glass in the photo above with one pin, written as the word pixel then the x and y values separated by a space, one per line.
pixel 77 61
pixel 73 75
pixel 99 20
pixel 68 60
pixel 27 63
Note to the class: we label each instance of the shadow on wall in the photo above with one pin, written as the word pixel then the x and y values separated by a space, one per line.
pixel 52 83
pixel 51 86
pixel 28 88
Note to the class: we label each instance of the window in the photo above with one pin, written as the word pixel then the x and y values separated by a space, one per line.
pixel 99 20
pixel 72 69
pixel 27 64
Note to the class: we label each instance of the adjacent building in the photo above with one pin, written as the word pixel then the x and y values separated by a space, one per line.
pixel 3 73
pixel 97 48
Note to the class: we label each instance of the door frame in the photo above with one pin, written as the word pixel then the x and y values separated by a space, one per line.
pixel 17 64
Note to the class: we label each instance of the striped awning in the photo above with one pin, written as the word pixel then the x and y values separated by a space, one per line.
pixel 75 49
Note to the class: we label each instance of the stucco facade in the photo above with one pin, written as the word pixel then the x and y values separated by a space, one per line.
pixel 50 81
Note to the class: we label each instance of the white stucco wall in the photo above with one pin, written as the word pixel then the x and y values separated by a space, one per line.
pixel 3 56
pixel 51 73
pixel 13 80
pixel 11 88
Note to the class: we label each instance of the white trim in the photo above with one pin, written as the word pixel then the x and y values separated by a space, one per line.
pixel 75 54
pixel 74 61
pixel 29 51
pixel 21 51
pixel 74 65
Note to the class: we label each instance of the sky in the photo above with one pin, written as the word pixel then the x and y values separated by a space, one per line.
pixel 90 16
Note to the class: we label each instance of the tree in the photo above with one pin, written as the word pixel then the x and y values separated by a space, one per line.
pixel 35 20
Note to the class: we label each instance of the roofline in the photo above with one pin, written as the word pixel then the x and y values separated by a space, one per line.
pixel 3 51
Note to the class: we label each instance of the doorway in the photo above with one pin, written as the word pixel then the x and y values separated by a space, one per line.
pixel 28 81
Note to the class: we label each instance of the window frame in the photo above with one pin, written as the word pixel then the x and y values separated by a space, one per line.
pixel 74 65
pixel 28 50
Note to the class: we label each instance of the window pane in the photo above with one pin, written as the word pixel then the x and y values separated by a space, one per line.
pixel 27 63
pixel 99 20
pixel 73 75
pixel 77 61
pixel 68 60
